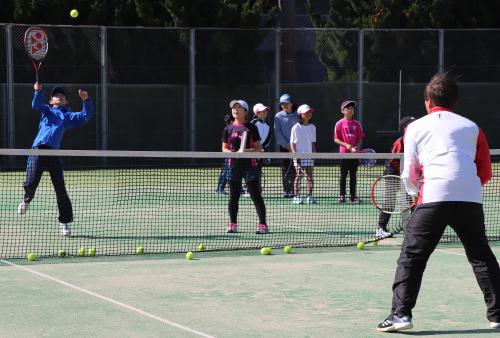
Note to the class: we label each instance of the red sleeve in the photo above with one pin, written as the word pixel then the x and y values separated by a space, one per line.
pixel 397 147
pixel 361 133
pixel 483 159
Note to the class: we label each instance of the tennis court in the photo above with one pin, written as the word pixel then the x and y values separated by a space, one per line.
pixel 325 288
pixel 328 292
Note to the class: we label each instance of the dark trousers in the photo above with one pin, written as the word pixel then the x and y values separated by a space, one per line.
pixel 348 166
pixel 422 235
pixel 254 189
pixel 35 168
pixel 287 173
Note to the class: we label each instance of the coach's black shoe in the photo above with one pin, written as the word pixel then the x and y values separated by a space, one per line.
pixel 395 323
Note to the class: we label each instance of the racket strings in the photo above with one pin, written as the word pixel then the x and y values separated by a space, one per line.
pixel 390 196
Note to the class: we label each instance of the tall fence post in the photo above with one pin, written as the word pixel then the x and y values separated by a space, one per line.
pixel 192 88
pixel 104 89
pixel 361 45
pixel 10 116
pixel 277 75
pixel 441 51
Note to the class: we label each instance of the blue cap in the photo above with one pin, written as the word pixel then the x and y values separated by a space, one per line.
pixel 285 98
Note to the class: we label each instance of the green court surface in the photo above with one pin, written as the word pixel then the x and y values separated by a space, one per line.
pixel 322 292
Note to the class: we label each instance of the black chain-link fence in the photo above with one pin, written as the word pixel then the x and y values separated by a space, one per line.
pixel 169 89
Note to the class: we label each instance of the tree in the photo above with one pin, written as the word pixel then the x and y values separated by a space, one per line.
pixel 387 52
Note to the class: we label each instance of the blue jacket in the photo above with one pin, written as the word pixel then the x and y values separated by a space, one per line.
pixel 56 120
pixel 283 123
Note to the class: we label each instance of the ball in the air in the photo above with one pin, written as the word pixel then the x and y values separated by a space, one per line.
pixel 92 251
pixel 189 255
pixel 287 249
pixel 201 247
pixel 265 251
pixel 139 250
pixel 31 256
pixel 61 253
pixel 360 245
pixel 82 251
pixel 73 13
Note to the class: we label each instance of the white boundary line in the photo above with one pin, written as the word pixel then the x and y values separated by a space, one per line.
pixel 455 253
pixel 109 300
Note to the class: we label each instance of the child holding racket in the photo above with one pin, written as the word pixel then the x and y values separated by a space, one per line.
pixel 392 168
pixel 241 135
pixel 446 162
pixel 303 140
pixel 348 135
pixel 56 118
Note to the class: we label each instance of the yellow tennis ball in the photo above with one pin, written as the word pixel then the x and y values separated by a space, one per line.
pixel 139 250
pixel 360 245
pixel 61 253
pixel 32 256
pixel 374 242
pixel 92 251
pixel 82 251
pixel 73 13
pixel 266 251
pixel 201 247
pixel 189 255
pixel 287 249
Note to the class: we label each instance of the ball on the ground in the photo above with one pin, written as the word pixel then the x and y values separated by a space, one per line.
pixel 92 251
pixel 201 247
pixel 73 13
pixel 139 250
pixel 287 249
pixel 61 253
pixel 82 251
pixel 360 245
pixel 32 256
pixel 189 255
pixel 265 251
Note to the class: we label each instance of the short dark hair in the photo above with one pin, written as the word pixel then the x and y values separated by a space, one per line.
pixel 442 90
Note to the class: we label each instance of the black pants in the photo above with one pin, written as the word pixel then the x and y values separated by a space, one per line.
pixel 348 166
pixel 422 235
pixel 254 189
pixel 287 173
pixel 35 168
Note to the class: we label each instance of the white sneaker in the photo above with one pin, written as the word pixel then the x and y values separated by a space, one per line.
pixel 381 233
pixel 494 325
pixel 65 229
pixel 22 208
pixel 297 200
pixel 310 200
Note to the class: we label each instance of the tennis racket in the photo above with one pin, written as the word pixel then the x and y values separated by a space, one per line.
pixel 367 163
pixel 389 195
pixel 36 43
pixel 243 141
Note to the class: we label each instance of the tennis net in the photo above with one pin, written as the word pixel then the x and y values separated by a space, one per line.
pixel 167 202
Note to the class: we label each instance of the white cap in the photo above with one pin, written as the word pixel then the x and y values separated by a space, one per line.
pixel 259 107
pixel 304 109
pixel 240 102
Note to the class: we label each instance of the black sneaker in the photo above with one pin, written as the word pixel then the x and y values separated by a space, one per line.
pixel 395 323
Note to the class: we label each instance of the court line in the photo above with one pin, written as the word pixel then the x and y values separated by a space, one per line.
pixel 455 253
pixel 109 300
